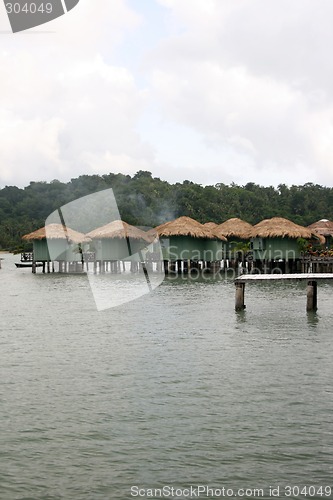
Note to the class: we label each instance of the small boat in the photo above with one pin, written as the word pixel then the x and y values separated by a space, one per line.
pixel 27 264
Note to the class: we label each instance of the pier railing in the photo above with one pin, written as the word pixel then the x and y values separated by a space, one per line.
pixel 27 257
pixel 317 263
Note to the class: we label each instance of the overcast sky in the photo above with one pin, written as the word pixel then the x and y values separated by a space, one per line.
pixel 206 90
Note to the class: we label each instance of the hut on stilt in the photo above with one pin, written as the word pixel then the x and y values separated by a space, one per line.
pixel 57 243
pixel 118 242
pixel 277 244
pixel 187 244
pixel 324 227
pixel 320 260
pixel 238 233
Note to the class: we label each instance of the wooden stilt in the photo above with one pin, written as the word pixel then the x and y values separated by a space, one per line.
pixel 239 296
pixel 311 296
pixel 166 266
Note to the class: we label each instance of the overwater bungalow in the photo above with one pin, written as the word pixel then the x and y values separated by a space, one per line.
pixel 234 229
pixel 238 233
pixel 324 227
pixel 116 242
pixel 57 243
pixel 277 244
pixel 215 246
pixel 187 242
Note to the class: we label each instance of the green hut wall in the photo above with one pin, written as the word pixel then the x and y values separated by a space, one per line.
pixel 213 250
pixel 230 247
pixel 118 249
pixel 40 250
pixel 190 248
pixel 275 248
pixel 60 250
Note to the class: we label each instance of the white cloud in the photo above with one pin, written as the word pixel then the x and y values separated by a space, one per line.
pixel 217 91
pixel 253 75
pixel 63 103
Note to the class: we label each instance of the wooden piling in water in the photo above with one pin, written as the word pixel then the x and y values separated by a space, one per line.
pixel 311 296
pixel 239 296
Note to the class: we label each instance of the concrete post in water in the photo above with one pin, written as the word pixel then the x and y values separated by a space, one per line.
pixel 239 296
pixel 311 296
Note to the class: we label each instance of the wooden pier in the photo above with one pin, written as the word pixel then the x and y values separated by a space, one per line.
pixel 311 290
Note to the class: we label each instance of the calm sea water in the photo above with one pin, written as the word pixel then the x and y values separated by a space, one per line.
pixel 173 389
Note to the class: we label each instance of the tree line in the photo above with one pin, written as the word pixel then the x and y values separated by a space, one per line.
pixel 146 200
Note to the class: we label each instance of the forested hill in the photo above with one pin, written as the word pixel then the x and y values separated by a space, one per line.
pixel 147 200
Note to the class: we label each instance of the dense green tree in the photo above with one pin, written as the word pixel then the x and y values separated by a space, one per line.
pixel 148 201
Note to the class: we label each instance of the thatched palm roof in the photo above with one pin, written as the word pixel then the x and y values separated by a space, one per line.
pixel 184 226
pixel 56 232
pixel 323 227
pixel 278 227
pixel 118 229
pixel 234 228
pixel 210 225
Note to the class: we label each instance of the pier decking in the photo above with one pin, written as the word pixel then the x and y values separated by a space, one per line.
pixel 311 278
pixel 296 276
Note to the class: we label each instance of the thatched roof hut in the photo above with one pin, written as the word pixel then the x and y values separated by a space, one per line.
pixel 234 228
pixel 278 227
pixel 118 229
pixel 118 240
pixel 185 238
pixel 277 240
pixel 323 227
pixel 55 242
pixel 184 226
pixel 56 232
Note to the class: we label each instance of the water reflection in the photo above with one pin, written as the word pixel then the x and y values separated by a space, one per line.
pixel 312 319
pixel 241 317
